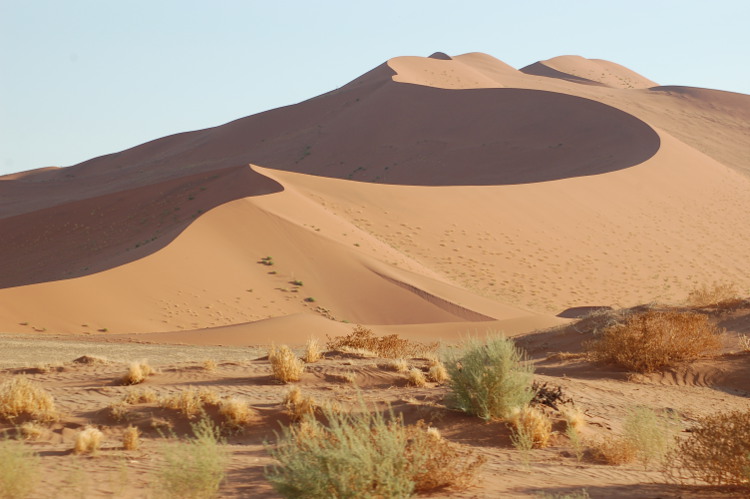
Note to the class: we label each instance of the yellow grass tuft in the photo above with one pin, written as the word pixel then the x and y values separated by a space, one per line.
pixel 190 402
pixel 285 365
pixel 31 430
pixel 312 351
pixel 299 405
pixel 131 438
pixel 391 346
pixel 531 425
pixel 140 395
pixel 396 365
pixel 209 365
pixel 655 340
pixel 20 397
pixel 343 377
pixel 438 373
pixel 118 411
pixel 574 418
pixel 236 411
pixel 137 373
pixel 614 450
pixel 88 441
pixel 415 377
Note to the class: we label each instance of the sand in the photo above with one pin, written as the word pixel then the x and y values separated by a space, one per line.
pixel 433 198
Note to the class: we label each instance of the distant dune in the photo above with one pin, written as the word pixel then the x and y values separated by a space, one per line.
pixel 443 191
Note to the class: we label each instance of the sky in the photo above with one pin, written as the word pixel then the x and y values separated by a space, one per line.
pixel 79 79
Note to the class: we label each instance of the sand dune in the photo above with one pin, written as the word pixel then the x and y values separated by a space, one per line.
pixel 578 69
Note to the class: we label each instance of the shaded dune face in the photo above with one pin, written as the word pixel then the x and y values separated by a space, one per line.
pixel 415 135
pixel 89 235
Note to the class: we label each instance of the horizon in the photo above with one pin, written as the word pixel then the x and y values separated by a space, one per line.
pixel 88 79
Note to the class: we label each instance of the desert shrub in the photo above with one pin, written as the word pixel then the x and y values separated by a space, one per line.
pixel 717 294
pixel 362 454
pixel 118 411
pixel 285 366
pixel 19 470
pixel 137 373
pixel 717 451
pixel 489 379
pixel 236 412
pixel 88 441
pixel 415 377
pixel 20 397
pixel 137 396
pixel 299 405
pixel 614 450
pixel 193 468
pixel 131 438
pixel 437 372
pixel 31 430
pixel 531 428
pixel 312 351
pixel 649 433
pixel 390 346
pixel 655 340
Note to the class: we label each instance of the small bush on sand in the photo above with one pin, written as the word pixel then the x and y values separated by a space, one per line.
pixel 193 468
pixel 312 351
pixel 396 365
pixel 20 397
pixel 489 379
pixel 236 412
pixel 343 377
pixel 88 441
pixel 717 451
pixel 137 373
pixel 298 405
pixel 190 401
pixel 363 454
pixel 532 428
pixel 437 372
pixel 285 366
pixel 718 294
pixel 415 377
pixel 390 347
pixel 138 396
pixel 614 450
pixel 655 340
pixel 19 470
pixel 131 438
pixel 650 434
pixel 31 430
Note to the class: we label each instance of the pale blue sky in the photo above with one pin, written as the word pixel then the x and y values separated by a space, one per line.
pixel 79 79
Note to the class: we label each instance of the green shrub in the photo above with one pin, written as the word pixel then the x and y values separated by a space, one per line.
pixel 194 468
pixel 363 455
pixel 19 470
pixel 489 379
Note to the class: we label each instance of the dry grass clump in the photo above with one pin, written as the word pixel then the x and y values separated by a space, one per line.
pixel 343 377
pixel 298 405
pixel 137 373
pixel 190 402
pixel 574 418
pixel 437 373
pixel 20 397
pixel 31 430
pixel 19 469
pixel 655 340
pixel 363 454
pixel 395 365
pixel 718 294
pixel 236 412
pixel 532 428
pixel 744 342
pixel 614 450
pixel 285 366
pixel 415 377
pixel 118 411
pixel 209 365
pixel 91 360
pixel 647 436
pixel 140 395
pixel 312 351
pixel 717 451
pixel 489 379
pixel 131 438
pixel 88 441
pixel 193 468
pixel 390 347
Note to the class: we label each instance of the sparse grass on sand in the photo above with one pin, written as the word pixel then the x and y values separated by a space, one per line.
pixel 655 340
pixel 131 438
pixel 237 412
pixel 718 294
pixel 285 365
pixel 19 469
pixel 138 372
pixel 415 377
pixel 437 372
pixel 717 452
pixel 193 468
pixel 531 427
pixel 396 365
pixel 389 347
pixel 312 351
pixel 190 401
pixel 298 405
pixel 489 379
pixel 364 454
pixel 22 398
